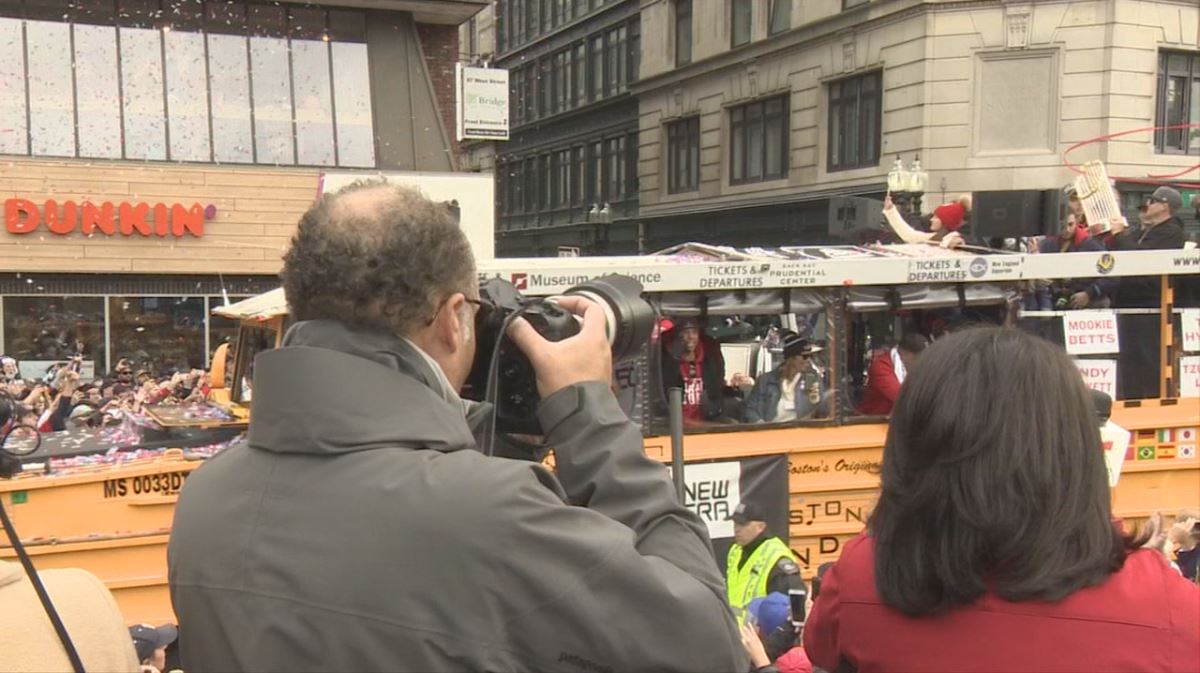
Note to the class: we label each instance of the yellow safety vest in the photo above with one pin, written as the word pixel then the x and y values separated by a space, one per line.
pixel 751 581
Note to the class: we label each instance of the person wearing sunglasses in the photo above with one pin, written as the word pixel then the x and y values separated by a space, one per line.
pixel 1161 230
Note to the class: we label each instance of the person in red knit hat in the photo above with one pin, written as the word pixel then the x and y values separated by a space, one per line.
pixel 944 224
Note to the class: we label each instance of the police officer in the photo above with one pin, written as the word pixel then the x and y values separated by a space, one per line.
pixel 758 563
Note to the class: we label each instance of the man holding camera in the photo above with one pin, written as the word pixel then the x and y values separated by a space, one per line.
pixel 360 528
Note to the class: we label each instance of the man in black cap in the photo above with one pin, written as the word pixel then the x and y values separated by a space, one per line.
pixel 151 644
pixel 1138 368
pixel 793 390
pixel 758 563
pixel 1159 229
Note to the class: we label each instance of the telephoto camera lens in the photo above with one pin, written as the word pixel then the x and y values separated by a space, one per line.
pixel 629 319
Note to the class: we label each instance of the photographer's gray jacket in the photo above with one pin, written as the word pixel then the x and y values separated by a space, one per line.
pixel 359 528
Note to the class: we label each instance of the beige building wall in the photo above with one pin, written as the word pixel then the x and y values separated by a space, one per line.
pixel 989 94
pixel 256 214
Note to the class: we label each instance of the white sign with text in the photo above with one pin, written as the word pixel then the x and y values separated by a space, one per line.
pixel 713 491
pixel 482 103
pixel 1190 319
pixel 1099 375
pixel 1189 376
pixel 1091 332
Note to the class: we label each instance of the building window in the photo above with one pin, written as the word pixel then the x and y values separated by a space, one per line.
pixel 158 334
pixel 742 21
pixel 781 16
pixel 577 172
pixel 1178 102
pixel 531 19
pixel 515 94
pixel 42 331
pixel 854 122
pixel 758 133
pixel 532 180
pixel 516 187
pixel 847 4
pixel 580 67
pixel 226 82
pixel 617 62
pixel 562 83
pixel 546 182
pixel 220 330
pixel 502 24
pixel 596 172
pixel 596 58
pixel 614 154
pixel 518 23
pixel 98 92
pixel 683 155
pixel 683 32
pixel 634 50
pixel 546 84
pixel 562 170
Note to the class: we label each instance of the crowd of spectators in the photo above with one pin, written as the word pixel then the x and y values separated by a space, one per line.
pixel 60 398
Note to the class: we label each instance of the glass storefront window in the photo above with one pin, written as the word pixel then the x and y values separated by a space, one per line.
pixel 314 104
pixel 187 96
pixel 272 100
pixel 229 81
pixel 352 96
pixel 51 90
pixel 142 94
pixel 42 331
pixel 186 80
pixel 158 334
pixel 98 91
pixel 12 88
pixel 220 330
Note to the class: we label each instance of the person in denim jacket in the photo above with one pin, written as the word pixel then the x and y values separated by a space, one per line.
pixel 792 391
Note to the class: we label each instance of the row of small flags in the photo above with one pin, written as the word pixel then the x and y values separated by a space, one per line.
pixel 1163 444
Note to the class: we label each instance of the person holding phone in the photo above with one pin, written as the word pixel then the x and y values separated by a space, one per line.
pixel 773 626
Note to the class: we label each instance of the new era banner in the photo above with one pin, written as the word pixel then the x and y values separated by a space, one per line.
pixel 714 489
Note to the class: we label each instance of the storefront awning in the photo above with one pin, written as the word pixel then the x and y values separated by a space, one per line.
pixel 263 307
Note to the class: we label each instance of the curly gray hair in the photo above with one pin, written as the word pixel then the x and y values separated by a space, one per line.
pixel 376 255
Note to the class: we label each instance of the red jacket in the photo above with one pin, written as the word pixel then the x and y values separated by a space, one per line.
pixel 882 386
pixel 1145 617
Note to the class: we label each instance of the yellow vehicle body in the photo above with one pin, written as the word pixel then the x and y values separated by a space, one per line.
pixel 115 521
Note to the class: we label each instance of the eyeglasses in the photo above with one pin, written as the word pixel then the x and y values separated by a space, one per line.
pixel 479 306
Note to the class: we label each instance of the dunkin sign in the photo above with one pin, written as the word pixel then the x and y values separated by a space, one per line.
pixel 22 216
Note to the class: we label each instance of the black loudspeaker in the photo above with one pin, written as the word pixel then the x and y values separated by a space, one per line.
pixel 851 216
pixel 1017 213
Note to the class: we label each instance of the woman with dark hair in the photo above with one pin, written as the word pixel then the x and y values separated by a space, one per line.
pixel 992 546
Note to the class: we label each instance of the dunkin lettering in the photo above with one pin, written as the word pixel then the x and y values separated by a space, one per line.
pixel 22 216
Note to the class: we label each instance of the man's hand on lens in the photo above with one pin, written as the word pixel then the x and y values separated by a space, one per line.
pixel 578 359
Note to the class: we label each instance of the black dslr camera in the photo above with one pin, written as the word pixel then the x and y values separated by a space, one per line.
pixel 503 375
